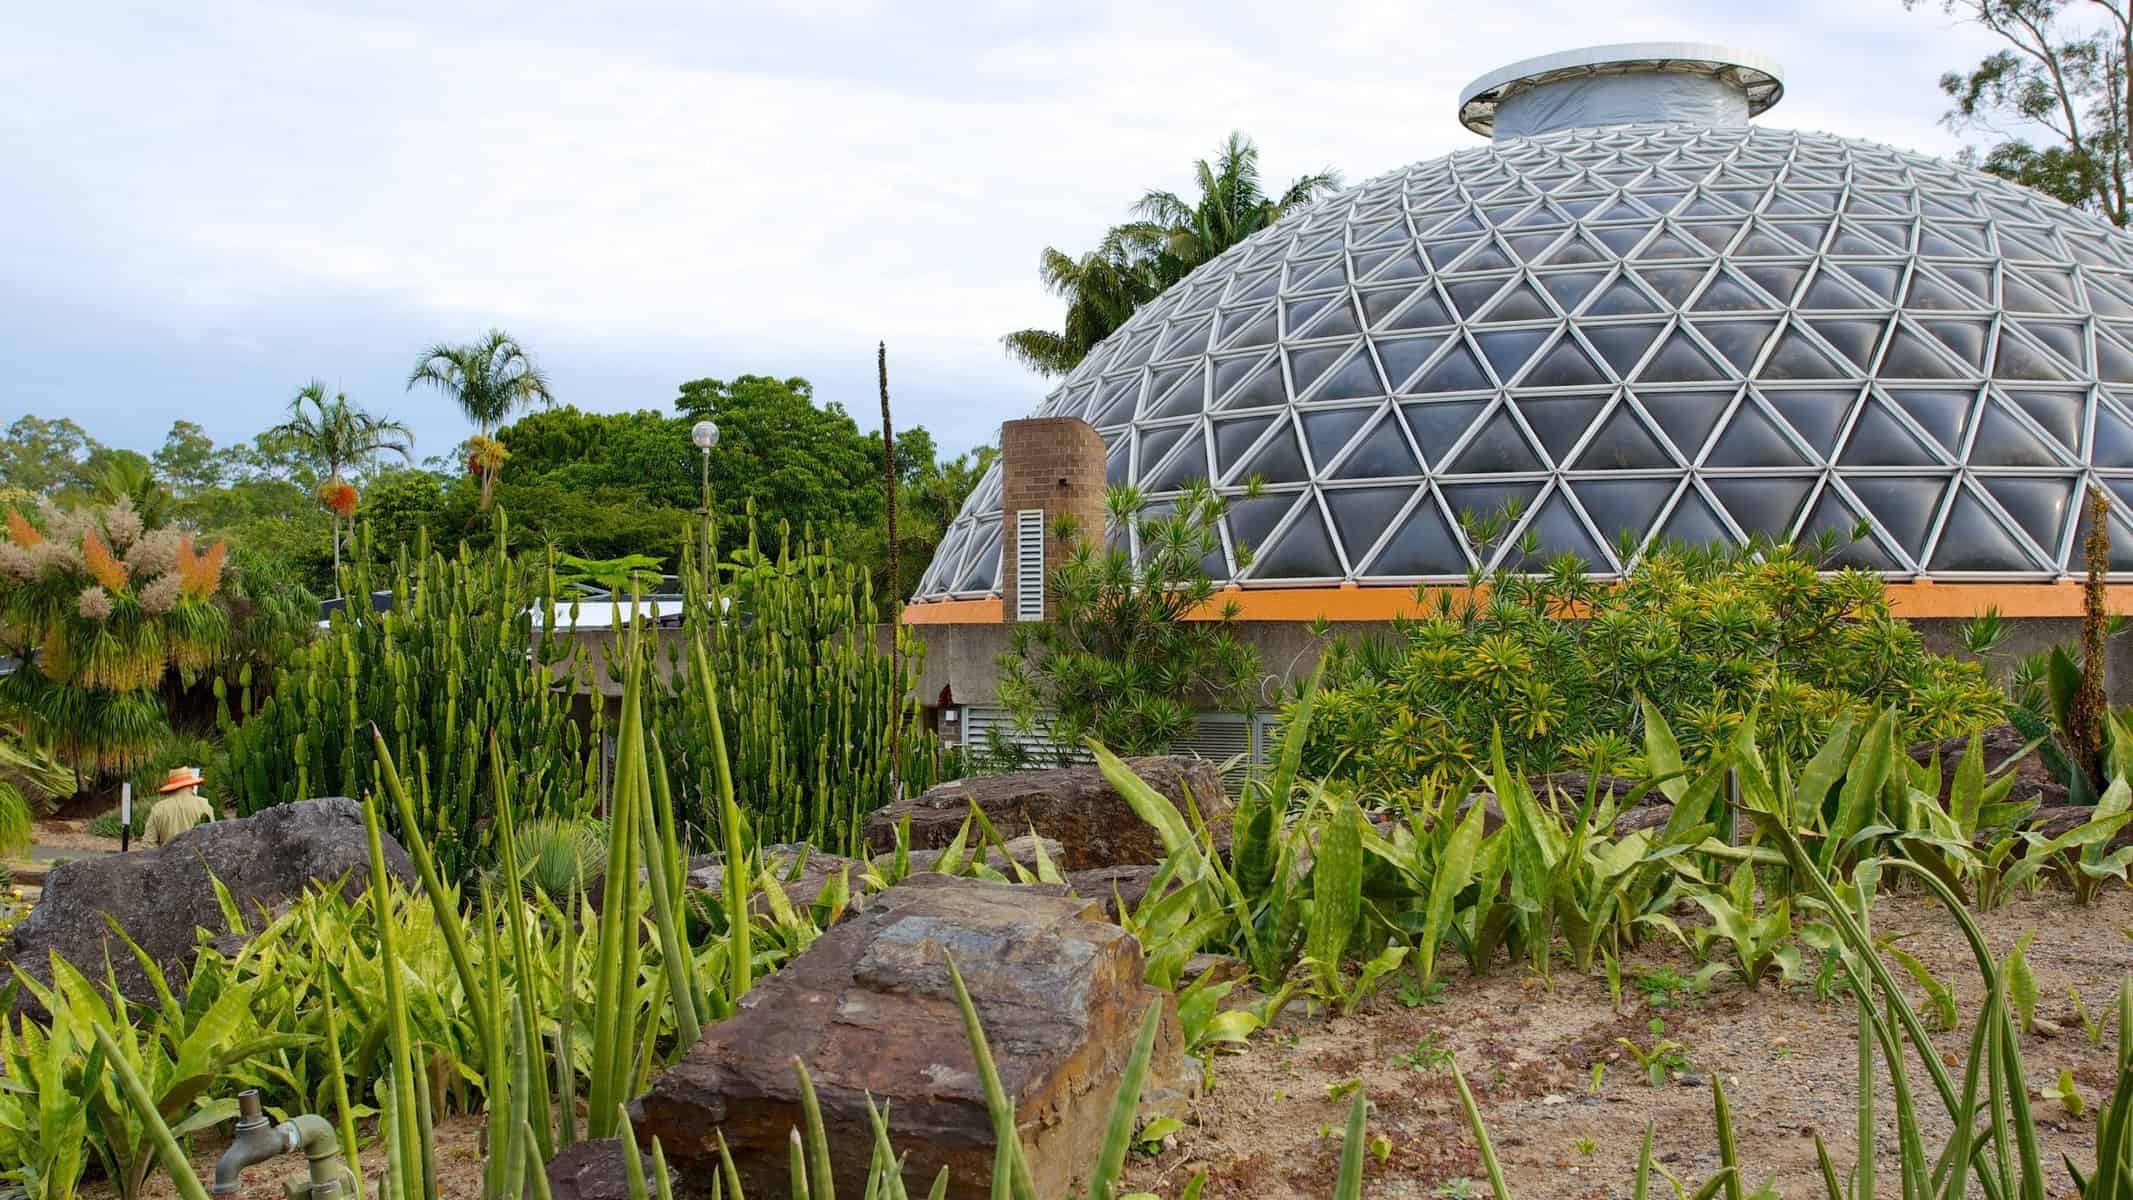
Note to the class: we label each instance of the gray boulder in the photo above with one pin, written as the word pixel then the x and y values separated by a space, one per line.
pixel 1074 806
pixel 869 1009
pixel 164 898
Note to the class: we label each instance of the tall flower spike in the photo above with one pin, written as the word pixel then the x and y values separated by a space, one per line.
pixel 20 531
pixel 104 565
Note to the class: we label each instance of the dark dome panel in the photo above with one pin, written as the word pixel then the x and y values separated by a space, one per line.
pixel 1697 331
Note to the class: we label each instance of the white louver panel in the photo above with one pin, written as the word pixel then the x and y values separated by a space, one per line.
pixel 1029 565
pixel 1237 744
pixel 980 725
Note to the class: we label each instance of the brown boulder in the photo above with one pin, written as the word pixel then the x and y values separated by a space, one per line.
pixel 868 1007
pixel 1998 744
pixel 1075 806
pixel 1114 886
pixel 595 1170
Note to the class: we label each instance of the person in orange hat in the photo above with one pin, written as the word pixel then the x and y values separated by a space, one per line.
pixel 180 808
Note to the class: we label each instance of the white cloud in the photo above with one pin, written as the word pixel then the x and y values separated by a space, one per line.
pixel 654 191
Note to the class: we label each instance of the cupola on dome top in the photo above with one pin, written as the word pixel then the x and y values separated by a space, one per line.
pixel 1642 317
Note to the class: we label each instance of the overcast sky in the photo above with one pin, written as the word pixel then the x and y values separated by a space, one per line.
pixel 206 204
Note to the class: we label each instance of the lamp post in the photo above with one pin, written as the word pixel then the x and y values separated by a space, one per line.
pixel 705 434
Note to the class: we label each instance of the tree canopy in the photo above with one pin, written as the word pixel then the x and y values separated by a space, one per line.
pixel 2057 80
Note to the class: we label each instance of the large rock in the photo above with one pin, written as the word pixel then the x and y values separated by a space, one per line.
pixel 802 871
pixel 1997 745
pixel 1114 886
pixel 597 1169
pixel 869 1009
pixel 164 897
pixel 1074 806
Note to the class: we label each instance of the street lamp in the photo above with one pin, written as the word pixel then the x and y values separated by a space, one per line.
pixel 705 434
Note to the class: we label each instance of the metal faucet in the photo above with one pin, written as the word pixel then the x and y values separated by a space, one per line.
pixel 257 1141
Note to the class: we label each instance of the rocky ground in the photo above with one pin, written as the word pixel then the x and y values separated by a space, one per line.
pixel 1268 1128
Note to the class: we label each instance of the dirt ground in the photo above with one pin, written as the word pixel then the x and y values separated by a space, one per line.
pixel 459 1164
pixel 1268 1129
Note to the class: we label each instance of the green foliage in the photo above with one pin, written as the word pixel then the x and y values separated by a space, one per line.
pixel 1556 663
pixel 558 857
pixel 1136 645
pixel 1137 261
pixel 818 730
pixel 465 652
pixel 2052 76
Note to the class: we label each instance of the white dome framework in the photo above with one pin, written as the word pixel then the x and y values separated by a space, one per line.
pixel 1692 331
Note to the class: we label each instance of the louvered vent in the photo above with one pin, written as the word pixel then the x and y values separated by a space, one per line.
pixel 1029 565
pixel 1238 745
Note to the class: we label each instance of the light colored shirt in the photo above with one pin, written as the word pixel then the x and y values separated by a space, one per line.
pixel 173 815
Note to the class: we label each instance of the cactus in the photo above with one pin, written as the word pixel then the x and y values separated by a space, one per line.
pixel 462 652
pixel 807 696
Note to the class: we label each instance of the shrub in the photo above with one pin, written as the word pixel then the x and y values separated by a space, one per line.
pixel 1559 661
pixel 1133 648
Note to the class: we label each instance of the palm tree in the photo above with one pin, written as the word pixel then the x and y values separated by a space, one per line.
pixel 1231 207
pixel 488 379
pixel 336 435
pixel 1139 260
pixel 1101 288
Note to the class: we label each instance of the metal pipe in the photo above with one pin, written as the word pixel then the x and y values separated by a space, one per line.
pixel 257 1141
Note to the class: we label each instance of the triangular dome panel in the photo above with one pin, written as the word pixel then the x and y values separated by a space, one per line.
pixel 1765 505
pixel 1423 545
pixel 1972 539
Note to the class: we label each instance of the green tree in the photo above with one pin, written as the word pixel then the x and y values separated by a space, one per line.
pixel 115 475
pixel 2059 78
pixel 187 463
pixel 336 436
pixel 1135 646
pixel 401 502
pixel 1138 261
pixel 43 456
pixel 1178 234
pixel 489 380
pixel 1101 290
pixel 794 460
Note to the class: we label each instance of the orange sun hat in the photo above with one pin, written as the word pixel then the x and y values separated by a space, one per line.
pixel 179 779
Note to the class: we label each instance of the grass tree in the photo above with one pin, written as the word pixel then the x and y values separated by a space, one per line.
pixel 489 380
pixel 101 609
pixel 337 436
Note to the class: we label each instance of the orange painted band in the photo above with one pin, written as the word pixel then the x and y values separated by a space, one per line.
pixel 1920 598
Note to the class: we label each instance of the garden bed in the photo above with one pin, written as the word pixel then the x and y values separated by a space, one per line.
pixel 1788 1060
pixel 1269 1130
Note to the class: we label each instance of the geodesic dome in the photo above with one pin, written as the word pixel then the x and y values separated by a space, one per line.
pixel 1680 327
